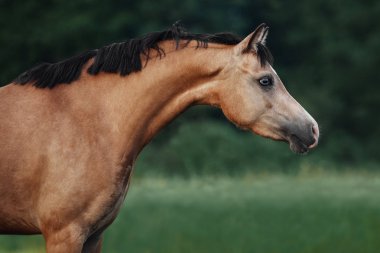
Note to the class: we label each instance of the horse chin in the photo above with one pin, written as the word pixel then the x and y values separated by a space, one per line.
pixel 297 146
pixel 295 143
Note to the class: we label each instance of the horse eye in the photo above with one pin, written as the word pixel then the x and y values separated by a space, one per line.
pixel 265 81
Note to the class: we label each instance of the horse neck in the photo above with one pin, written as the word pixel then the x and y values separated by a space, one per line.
pixel 141 104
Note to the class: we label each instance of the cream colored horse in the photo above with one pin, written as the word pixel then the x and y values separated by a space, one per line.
pixel 67 150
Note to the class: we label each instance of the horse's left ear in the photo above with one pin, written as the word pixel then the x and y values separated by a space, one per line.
pixel 259 36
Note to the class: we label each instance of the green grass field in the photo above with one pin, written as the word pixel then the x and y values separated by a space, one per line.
pixel 261 213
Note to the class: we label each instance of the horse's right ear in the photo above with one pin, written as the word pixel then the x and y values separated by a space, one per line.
pixel 256 37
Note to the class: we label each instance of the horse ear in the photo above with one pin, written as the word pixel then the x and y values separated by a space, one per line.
pixel 259 36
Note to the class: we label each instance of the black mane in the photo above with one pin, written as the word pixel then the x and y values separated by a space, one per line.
pixel 123 58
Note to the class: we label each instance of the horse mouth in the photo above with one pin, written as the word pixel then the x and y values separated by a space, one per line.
pixel 296 145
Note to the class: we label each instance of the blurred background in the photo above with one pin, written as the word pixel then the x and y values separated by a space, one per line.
pixel 204 186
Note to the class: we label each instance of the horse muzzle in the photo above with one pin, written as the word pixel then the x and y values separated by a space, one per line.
pixel 301 140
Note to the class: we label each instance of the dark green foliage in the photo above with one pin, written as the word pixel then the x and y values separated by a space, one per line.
pixel 327 53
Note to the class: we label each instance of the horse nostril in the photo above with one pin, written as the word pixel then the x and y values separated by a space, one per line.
pixel 315 131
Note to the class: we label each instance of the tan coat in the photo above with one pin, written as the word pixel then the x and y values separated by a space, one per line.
pixel 67 153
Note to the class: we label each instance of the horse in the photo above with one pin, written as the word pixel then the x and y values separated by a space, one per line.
pixel 71 131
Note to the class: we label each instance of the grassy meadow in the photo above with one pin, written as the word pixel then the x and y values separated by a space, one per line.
pixel 271 213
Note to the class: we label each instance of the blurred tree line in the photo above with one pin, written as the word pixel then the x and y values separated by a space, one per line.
pixel 327 53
